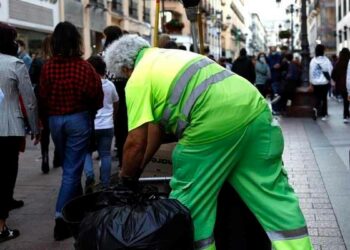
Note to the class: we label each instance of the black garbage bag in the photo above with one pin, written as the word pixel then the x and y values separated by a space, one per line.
pixel 123 219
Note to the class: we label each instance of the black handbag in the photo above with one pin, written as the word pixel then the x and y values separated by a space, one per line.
pixel 325 73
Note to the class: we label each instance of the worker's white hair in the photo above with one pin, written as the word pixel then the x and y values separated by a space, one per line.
pixel 123 52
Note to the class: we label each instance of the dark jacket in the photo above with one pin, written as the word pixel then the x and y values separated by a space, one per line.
pixel 339 77
pixel 293 72
pixel 272 60
pixel 34 73
pixel 244 67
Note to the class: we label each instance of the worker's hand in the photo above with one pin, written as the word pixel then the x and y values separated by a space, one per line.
pixel 36 138
pixel 349 98
pixel 129 183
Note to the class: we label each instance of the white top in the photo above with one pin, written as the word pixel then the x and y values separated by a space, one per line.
pixel 317 65
pixel 104 116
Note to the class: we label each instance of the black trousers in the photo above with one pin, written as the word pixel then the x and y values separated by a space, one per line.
pixel 320 92
pixel 344 95
pixel 9 152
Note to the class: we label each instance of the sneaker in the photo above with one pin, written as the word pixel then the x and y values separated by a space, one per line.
pixel 346 120
pixel 61 230
pixel 14 204
pixel 8 234
pixel 314 114
pixel 275 99
pixel 324 118
pixel 89 185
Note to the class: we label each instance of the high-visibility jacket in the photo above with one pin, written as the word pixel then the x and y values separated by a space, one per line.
pixel 190 95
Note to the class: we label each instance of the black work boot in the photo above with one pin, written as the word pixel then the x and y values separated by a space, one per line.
pixel 61 230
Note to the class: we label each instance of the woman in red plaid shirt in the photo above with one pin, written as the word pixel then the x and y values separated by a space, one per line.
pixel 70 94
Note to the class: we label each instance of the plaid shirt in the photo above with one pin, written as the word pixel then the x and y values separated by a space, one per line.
pixel 68 86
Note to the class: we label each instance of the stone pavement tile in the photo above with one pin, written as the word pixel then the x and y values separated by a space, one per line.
pixel 327 241
pixel 36 233
pixel 306 179
pixel 329 232
pixel 333 247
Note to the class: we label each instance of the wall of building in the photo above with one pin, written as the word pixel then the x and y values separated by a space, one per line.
pixel 321 23
pixel 343 24
pixel 91 19
pixel 257 41
pixel 33 19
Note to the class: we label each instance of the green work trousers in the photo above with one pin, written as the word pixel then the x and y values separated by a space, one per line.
pixel 251 161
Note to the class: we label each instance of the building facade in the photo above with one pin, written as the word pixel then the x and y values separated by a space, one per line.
pixel 321 25
pixel 33 19
pixel 343 24
pixel 257 41
pixel 92 16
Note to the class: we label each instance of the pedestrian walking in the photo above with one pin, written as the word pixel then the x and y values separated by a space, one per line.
pixel 320 77
pixel 103 128
pixel 226 133
pixel 275 63
pixel 14 81
pixel 70 94
pixel 290 82
pixel 113 33
pixel 23 55
pixel 339 77
pixel 244 66
pixel 34 73
pixel 263 74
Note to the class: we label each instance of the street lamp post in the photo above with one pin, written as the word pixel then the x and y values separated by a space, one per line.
pixel 303 101
pixel 290 10
pixel 305 50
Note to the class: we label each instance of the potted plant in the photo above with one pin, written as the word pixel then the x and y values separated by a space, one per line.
pixel 174 26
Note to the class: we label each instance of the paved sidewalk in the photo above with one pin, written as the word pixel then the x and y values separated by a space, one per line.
pixel 307 181
pixel 316 157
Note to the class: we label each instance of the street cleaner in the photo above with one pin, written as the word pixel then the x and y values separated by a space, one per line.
pixel 226 134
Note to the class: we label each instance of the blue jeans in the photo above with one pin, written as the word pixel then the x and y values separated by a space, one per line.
pixel 103 139
pixel 276 89
pixel 70 133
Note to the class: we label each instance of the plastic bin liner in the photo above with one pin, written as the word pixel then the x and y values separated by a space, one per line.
pixel 123 219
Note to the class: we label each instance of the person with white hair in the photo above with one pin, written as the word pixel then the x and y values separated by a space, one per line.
pixel 226 133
